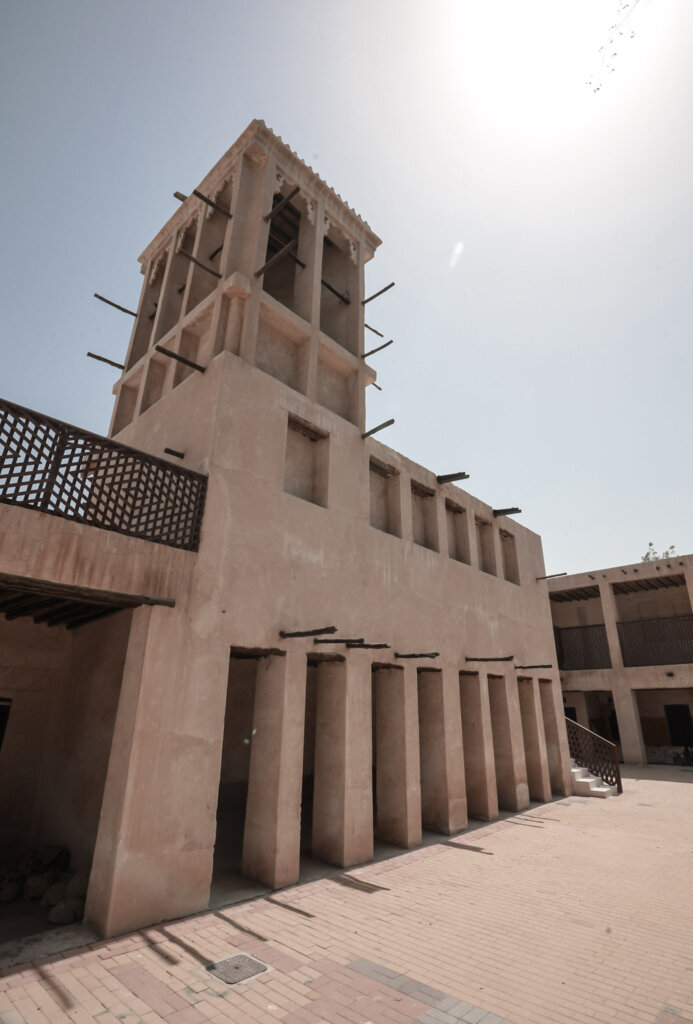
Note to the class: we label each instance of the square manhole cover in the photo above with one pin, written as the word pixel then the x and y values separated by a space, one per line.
pixel 237 968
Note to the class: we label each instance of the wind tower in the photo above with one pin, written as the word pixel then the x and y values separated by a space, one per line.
pixel 265 262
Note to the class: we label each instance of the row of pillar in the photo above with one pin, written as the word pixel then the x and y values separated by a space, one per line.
pixel 431 746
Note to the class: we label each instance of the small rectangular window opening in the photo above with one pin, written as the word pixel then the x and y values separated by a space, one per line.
pixel 213 228
pixel 279 280
pixel 177 278
pixel 306 462
pixel 338 287
pixel 484 543
pixel 458 531
pixel 384 498
pixel 509 553
pixel 423 513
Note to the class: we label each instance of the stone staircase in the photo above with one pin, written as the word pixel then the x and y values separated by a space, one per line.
pixel 586 784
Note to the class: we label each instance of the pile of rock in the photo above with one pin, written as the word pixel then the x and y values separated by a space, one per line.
pixel 43 875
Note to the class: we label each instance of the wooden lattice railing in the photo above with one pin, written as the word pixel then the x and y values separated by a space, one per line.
pixel 582 647
pixel 595 753
pixel 53 467
pixel 663 641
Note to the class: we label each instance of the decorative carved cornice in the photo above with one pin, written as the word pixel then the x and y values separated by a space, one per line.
pixel 258 136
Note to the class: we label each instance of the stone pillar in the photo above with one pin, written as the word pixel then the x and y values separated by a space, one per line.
pixel 508 748
pixel 343 793
pixel 272 835
pixel 405 516
pixel 609 610
pixel 442 524
pixel 629 728
pixel 556 737
pixel 253 189
pixel 474 554
pixel 398 772
pixel 443 796
pixel 538 779
pixel 230 327
pixel 308 286
pixel 307 290
pixel 479 763
pixel 625 703
pixel 155 842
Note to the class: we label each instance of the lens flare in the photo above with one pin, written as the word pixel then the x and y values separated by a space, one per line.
pixel 455 255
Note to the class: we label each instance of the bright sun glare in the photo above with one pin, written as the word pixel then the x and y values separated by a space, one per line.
pixel 524 69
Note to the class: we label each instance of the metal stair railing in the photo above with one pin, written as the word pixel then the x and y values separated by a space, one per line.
pixel 591 751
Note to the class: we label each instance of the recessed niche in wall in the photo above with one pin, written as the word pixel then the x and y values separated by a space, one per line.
pixel 484 545
pixel 337 385
pixel 144 324
pixel 306 461
pixel 127 402
pixel 282 353
pixel 385 512
pixel 171 302
pixel 284 227
pixel 458 531
pixel 338 291
pixel 188 348
pixel 213 225
pixel 509 555
pixel 154 382
pixel 423 516
pixel 228 337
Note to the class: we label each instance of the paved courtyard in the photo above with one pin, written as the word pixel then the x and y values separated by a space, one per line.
pixel 580 910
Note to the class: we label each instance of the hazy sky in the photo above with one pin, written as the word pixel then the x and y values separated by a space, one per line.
pixel 534 196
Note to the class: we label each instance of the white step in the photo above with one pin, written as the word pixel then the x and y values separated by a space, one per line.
pixel 586 784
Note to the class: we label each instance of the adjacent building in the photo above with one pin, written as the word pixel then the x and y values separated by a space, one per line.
pixel 624 641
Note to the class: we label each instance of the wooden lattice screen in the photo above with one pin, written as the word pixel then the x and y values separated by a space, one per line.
pixel 664 641
pixel 582 647
pixel 59 469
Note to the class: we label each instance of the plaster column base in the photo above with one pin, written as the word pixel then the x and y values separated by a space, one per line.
pixel 479 763
pixel 508 748
pixel 629 729
pixel 398 773
pixel 536 759
pixel 272 835
pixel 557 750
pixel 443 796
pixel 343 791
pixel 155 842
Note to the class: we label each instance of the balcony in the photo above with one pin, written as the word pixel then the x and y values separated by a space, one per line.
pixel 665 641
pixel 53 467
pixel 582 647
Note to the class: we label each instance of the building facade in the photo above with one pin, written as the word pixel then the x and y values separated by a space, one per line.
pixel 342 646
pixel 624 641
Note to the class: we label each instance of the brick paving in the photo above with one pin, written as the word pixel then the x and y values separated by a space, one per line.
pixel 591 921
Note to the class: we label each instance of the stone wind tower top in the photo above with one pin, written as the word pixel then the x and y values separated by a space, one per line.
pixel 265 261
